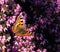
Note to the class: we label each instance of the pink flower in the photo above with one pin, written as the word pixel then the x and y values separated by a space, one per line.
pixel 3 39
pixel 31 36
pixel 13 19
pixel 2 9
pixel 4 16
pixel 58 8
pixel 22 48
pixel 3 47
pixel 5 29
pixel 25 50
pixel 8 50
pixel 30 29
pixel 19 49
pixel 1 28
pixel 16 11
pixel 33 51
pixel 1 2
pixel 18 7
pixel 20 44
pixel 16 43
pixel 1 19
pixel 28 37
pixel 31 47
pixel 8 39
pixel 39 50
pixel 58 2
pixel 27 41
pixel 7 23
pixel 44 50
pixel 6 1
pixel 23 42
pixel 0 38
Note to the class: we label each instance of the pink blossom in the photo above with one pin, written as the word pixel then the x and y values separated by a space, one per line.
pixel 20 44
pixel 8 50
pixel 2 9
pixel 1 28
pixel 19 49
pixel 29 38
pixel 27 41
pixel 22 48
pixel 25 50
pixel 58 2
pixel 4 16
pixel 58 8
pixel 0 38
pixel 31 47
pixel 44 50
pixel 30 29
pixel 16 11
pixel 3 47
pixel 18 7
pixel 24 37
pixel 0 48
pixel 3 39
pixel 8 39
pixel 16 43
pixel 39 50
pixel 1 19
pixel 10 21
pixel 23 42
pixel 33 51
pixel 5 29
pixel 1 2
pixel 6 1
pixel 13 19
pixel 7 23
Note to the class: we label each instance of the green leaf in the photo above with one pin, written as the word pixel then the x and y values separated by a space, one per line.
pixel 1 13
pixel 7 35
pixel 3 23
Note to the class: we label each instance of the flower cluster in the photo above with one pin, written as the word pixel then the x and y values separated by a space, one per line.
pixel 9 11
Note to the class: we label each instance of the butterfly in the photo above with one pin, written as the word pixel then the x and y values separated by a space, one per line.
pixel 19 27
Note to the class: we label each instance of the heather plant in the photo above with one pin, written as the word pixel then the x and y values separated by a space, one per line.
pixel 42 18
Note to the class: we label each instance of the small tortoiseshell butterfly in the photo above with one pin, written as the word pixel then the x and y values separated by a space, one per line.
pixel 19 27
